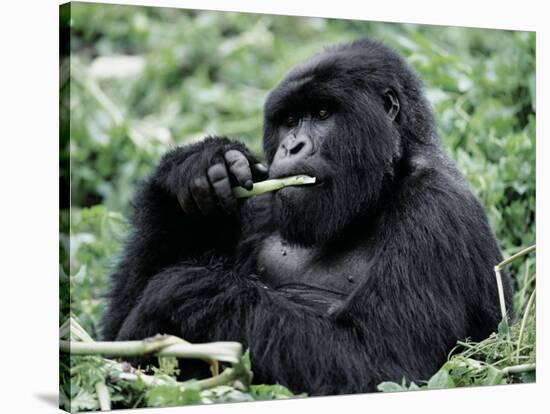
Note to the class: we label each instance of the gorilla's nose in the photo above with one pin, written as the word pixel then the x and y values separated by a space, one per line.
pixel 294 148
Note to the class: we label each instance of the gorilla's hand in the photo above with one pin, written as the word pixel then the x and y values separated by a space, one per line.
pixel 203 179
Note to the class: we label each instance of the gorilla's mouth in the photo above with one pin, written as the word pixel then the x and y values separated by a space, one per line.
pixel 313 168
pixel 317 182
pixel 300 190
pixel 302 171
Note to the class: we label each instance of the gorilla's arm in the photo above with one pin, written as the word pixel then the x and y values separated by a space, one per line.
pixel 400 323
pixel 170 224
pixel 294 344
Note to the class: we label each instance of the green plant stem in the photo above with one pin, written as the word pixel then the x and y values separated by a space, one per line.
pixel 79 331
pixel 518 369
pixel 72 328
pixel 523 252
pixel 226 377
pixel 65 329
pixel 501 299
pixel 501 266
pixel 267 186
pixel 103 396
pixel 160 346
pixel 525 284
pixel 524 321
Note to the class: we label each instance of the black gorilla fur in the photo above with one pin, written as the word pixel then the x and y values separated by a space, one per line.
pixel 371 275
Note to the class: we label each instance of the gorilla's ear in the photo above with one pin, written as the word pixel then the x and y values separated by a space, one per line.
pixel 391 104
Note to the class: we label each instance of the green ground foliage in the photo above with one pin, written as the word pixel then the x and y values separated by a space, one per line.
pixel 193 73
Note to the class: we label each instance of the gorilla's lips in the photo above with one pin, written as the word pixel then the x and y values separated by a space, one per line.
pixel 299 194
pixel 307 172
pixel 310 184
pixel 311 166
pixel 277 174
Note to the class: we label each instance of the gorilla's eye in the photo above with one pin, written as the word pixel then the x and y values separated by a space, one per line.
pixel 291 120
pixel 324 114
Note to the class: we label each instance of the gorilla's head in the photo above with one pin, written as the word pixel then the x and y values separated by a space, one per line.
pixel 348 116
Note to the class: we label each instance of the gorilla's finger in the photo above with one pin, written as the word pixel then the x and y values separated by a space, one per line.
pixel 259 171
pixel 219 179
pixel 202 194
pixel 240 168
pixel 186 201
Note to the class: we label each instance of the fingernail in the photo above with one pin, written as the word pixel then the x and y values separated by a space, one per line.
pixel 248 185
pixel 260 167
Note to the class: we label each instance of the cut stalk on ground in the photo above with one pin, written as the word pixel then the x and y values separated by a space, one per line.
pixel 161 346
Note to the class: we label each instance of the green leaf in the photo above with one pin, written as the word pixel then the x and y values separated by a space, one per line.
pixel 413 387
pixel 139 384
pixel 390 387
pixel 494 376
pixel 440 380
pixel 84 401
pixel 270 392
pixel 245 360
pixel 224 393
pixel 173 395
pixel 80 275
pixel 503 328
pixel 167 366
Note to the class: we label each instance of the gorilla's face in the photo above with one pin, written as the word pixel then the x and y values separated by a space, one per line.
pixel 335 117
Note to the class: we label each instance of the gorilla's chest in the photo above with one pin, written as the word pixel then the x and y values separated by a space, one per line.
pixel 310 274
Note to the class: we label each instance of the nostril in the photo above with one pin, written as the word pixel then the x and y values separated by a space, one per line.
pixel 296 148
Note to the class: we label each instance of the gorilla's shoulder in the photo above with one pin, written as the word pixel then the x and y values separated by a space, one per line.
pixel 431 174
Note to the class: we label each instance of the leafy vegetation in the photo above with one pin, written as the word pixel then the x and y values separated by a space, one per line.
pixel 145 79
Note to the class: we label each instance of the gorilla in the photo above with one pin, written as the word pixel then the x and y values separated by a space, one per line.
pixel 371 274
